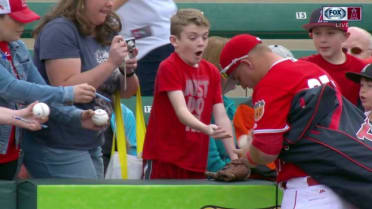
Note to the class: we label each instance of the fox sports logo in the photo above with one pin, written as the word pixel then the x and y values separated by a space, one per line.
pixel 335 13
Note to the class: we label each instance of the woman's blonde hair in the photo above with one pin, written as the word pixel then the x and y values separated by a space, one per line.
pixel 74 10
pixel 213 50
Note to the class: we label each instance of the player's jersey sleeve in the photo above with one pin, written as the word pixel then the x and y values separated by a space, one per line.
pixel 270 115
pixel 271 110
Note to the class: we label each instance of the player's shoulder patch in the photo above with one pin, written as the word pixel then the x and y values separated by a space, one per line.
pixel 259 109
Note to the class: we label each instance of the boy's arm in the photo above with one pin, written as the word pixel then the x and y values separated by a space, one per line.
pixel 178 102
pixel 222 120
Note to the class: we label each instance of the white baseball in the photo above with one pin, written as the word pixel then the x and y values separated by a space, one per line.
pixel 100 117
pixel 41 110
pixel 212 127
pixel 243 141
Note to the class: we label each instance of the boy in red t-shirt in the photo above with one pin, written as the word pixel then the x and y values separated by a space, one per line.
pixel 328 38
pixel 187 93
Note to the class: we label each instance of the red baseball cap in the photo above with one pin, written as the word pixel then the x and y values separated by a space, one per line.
pixel 316 19
pixel 18 11
pixel 236 49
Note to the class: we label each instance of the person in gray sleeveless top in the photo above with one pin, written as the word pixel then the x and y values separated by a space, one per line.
pixel 76 42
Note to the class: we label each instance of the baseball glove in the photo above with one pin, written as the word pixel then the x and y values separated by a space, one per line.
pixel 236 170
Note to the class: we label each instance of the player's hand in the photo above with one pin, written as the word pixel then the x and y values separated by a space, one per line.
pixel 84 93
pixel 87 122
pixel 217 132
pixel 242 152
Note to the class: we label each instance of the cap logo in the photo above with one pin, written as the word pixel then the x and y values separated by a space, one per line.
pixel 24 3
pixel 4 7
pixel 320 19
pixel 335 13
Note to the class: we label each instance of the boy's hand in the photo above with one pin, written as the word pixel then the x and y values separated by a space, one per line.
pixel 217 132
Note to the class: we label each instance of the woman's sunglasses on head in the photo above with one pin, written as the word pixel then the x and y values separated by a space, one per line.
pixel 233 62
pixel 353 50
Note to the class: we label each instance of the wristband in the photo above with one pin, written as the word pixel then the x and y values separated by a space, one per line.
pixel 123 72
pixel 130 74
pixel 250 159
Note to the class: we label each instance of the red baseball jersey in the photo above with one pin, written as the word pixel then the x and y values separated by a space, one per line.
pixel 348 88
pixel 167 139
pixel 272 99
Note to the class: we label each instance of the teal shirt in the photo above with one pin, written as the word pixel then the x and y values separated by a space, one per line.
pixel 217 155
pixel 129 126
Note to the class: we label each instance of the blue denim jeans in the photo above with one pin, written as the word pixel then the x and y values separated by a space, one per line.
pixel 46 162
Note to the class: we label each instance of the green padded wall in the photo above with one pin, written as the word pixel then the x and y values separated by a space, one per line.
pixel 303 53
pixel 138 194
pixel 8 194
pixel 41 8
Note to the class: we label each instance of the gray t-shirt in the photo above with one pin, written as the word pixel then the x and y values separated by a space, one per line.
pixel 61 39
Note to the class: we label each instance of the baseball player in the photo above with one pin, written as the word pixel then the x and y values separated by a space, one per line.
pixel 275 81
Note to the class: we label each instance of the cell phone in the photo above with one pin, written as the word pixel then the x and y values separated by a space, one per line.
pixel 131 44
